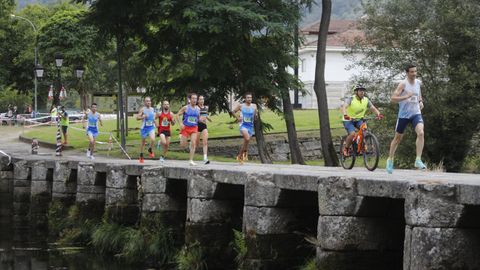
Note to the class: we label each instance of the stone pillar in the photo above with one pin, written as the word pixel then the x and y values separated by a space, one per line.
pixel 90 198
pixel 121 196
pixel 6 200
pixel 64 186
pixel 356 232
pixel 209 220
pixel 165 199
pixel 21 200
pixel 439 232
pixel 270 220
pixel 40 197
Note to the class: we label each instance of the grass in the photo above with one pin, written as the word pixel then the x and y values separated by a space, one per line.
pixel 221 126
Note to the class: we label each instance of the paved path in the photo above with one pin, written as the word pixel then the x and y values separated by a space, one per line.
pixel 9 143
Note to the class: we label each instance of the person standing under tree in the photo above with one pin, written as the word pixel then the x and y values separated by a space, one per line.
pixel 53 115
pixel 147 115
pixel 202 127
pixel 93 118
pixel 189 125
pixel 410 101
pixel 165 120
pixel 248 114
pixel 64 123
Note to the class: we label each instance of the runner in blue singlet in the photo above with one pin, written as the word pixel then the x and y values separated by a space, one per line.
pixel 248 112
pixel 147 129
pixel 93 118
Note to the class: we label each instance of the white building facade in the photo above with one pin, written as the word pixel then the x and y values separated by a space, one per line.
pixel 337 72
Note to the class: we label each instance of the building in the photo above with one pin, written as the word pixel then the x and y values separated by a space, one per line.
pixel 337 74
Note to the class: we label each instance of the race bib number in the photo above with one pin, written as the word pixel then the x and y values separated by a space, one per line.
pixel 148 123
pixel 92 124
pixel 192 119
pixel 413 99
pixel 165 122
pixel 247 119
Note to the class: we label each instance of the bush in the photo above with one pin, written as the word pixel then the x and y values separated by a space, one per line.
pixel 239 246
pixel 191 258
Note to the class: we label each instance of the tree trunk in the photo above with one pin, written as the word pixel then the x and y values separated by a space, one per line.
pixel 328 150
pixel 120 92
pixel 261 145
pixel 295 153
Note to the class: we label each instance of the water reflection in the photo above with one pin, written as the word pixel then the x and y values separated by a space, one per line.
pixel 24 248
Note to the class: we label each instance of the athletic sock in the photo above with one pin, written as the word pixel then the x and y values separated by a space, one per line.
pixel 205 157
pixel 419 158
pixel 149 150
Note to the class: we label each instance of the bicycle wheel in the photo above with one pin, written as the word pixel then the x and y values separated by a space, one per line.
pixel 347 161
pixel 371 151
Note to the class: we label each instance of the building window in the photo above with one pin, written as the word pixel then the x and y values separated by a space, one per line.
pixel 303 63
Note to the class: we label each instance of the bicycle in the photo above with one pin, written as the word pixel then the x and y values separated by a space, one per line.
pixel 364 143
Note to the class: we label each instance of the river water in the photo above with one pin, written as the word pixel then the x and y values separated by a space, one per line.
pixel 23 249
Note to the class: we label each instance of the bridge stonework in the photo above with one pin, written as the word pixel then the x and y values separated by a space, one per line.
pixel 347 220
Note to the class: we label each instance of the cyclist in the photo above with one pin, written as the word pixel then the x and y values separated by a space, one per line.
pixel 409 98
pixel 354 109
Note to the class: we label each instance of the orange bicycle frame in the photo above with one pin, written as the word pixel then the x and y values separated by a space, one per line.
pixel 358 139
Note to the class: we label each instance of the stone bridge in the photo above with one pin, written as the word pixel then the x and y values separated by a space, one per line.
pixel 352 219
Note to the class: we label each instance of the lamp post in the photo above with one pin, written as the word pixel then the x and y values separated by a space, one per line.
pixel 58 64
pixel 79 70
pixel 36 57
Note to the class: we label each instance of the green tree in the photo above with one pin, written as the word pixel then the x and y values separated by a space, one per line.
pixel 443 38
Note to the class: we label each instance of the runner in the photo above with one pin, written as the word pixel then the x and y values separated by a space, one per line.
pixel 354 109
pixel 189 126
pixel 248 114
pixel 93 117
pixel 202 127
pixel 64 123
pixel 53 115
pixel 147 115
pixel 409 98
pixel 165 120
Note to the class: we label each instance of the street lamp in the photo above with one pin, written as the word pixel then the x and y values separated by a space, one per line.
pixel 36 55
pixel 39 71
pixel 79 72
pixel 58 60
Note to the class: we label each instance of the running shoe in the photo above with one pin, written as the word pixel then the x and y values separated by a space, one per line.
pixel 150 153
pixel 419 164
pixel 346 152
pixel 206 161
pixel 141 159
pixel 192 163
pixel 162 159
pixel 389 166
pixel 92 157
pixel 240 158
pixel 88 153
pixel 245 156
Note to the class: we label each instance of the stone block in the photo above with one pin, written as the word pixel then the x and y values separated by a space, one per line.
pixel 441 248
pixel 201 185
pixel 343 233
pixel 101 167
pixel 86 174
pixel 6 185
pixel 21 194
pixel 432 205
pixel 21 183
pixel 134 169
pixel 116 177
pixel 61 172
pixel 229 176
pixel 119 196
pixel 377 188
pixel 338 196
pixel 162 202
pixel 358 260
pixel 39 171
pixel 208 211
pixel 91 189
pixel 40 187
pixel 468 194
pixel 312 145
pixel 261 191
pixel 296 181
pixel 177 172
pixel 4 175
pixel 86 197
pixel 20 170
pixel 153 181
pixel 265 220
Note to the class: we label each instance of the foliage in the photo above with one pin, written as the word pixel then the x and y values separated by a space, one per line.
pixel 8 96
pixel 239 246
pixel 309 265
pixel 66 227
pixel 442 37
pixel 191 257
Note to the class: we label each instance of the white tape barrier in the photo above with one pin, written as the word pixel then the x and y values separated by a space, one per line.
pixel 9 157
